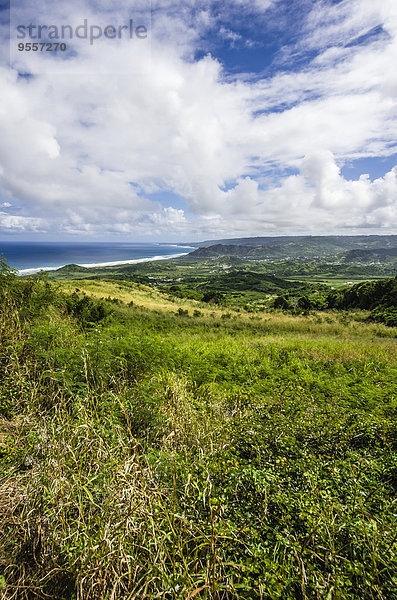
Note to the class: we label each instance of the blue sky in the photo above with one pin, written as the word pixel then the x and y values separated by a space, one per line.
pixel 232 119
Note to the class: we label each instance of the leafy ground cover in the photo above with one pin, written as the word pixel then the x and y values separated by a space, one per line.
pixel 157 447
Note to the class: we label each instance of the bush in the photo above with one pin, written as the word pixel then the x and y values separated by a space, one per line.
pixel 87 311
pixel 281 302
pixel 385 315
pixel 213 297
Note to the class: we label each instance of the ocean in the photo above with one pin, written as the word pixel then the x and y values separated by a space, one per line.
pixel 30 257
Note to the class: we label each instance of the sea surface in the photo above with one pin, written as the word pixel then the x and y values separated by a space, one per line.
pixel 30 257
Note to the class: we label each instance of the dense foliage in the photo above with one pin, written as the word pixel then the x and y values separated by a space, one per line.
pixel 155 448
pixel 380 297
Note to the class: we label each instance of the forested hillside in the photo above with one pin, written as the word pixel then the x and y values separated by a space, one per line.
pixel 300 247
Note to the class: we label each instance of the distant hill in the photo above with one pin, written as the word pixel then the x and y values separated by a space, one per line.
pixel 72 268
pixel 222 250
pixel 373 241
pixel 249 241
pixel 378 254
pixel 296 247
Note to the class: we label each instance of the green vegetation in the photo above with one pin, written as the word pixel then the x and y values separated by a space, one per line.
pixel 366 248
pixel 255 285
pixel 322 244
pixel 292 273
pixel 156 446
pixel 380 297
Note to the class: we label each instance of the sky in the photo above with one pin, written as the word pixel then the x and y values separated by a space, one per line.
pixel 214 119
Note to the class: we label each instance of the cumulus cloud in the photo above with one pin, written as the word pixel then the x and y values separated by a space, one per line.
pixel 82 152
pixel 22 224
pixel 321 194
pixel 362 201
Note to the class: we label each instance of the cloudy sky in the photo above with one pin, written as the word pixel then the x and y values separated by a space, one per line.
pixel 231 118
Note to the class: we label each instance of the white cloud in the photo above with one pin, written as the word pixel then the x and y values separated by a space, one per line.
pixel 80 153
pixel 322 197
pixel 362 200
pixel 18 223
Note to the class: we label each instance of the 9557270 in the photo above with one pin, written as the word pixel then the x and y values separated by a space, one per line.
pixel 42 47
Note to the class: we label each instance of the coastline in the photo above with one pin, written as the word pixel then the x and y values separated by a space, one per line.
pixel 33 270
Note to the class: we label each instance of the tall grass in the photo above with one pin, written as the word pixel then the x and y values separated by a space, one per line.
pixel 150 454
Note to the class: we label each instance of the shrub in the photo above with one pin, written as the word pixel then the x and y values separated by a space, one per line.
pixel 86 310
pixel 281 302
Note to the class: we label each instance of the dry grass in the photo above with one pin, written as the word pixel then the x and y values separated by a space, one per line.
pixel 319 324
pixel 123 532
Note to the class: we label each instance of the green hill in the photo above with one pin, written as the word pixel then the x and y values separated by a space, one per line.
pixel 364 255
pixel 293 246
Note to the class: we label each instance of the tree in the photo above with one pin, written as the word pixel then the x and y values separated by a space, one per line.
pixel 281 302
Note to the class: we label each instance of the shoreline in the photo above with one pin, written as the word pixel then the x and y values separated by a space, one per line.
pixel 33 270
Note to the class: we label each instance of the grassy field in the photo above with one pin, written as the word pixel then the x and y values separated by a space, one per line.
pixel 156 447
pixel 334 282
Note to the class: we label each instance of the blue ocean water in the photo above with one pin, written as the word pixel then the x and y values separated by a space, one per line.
pixel 29 257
